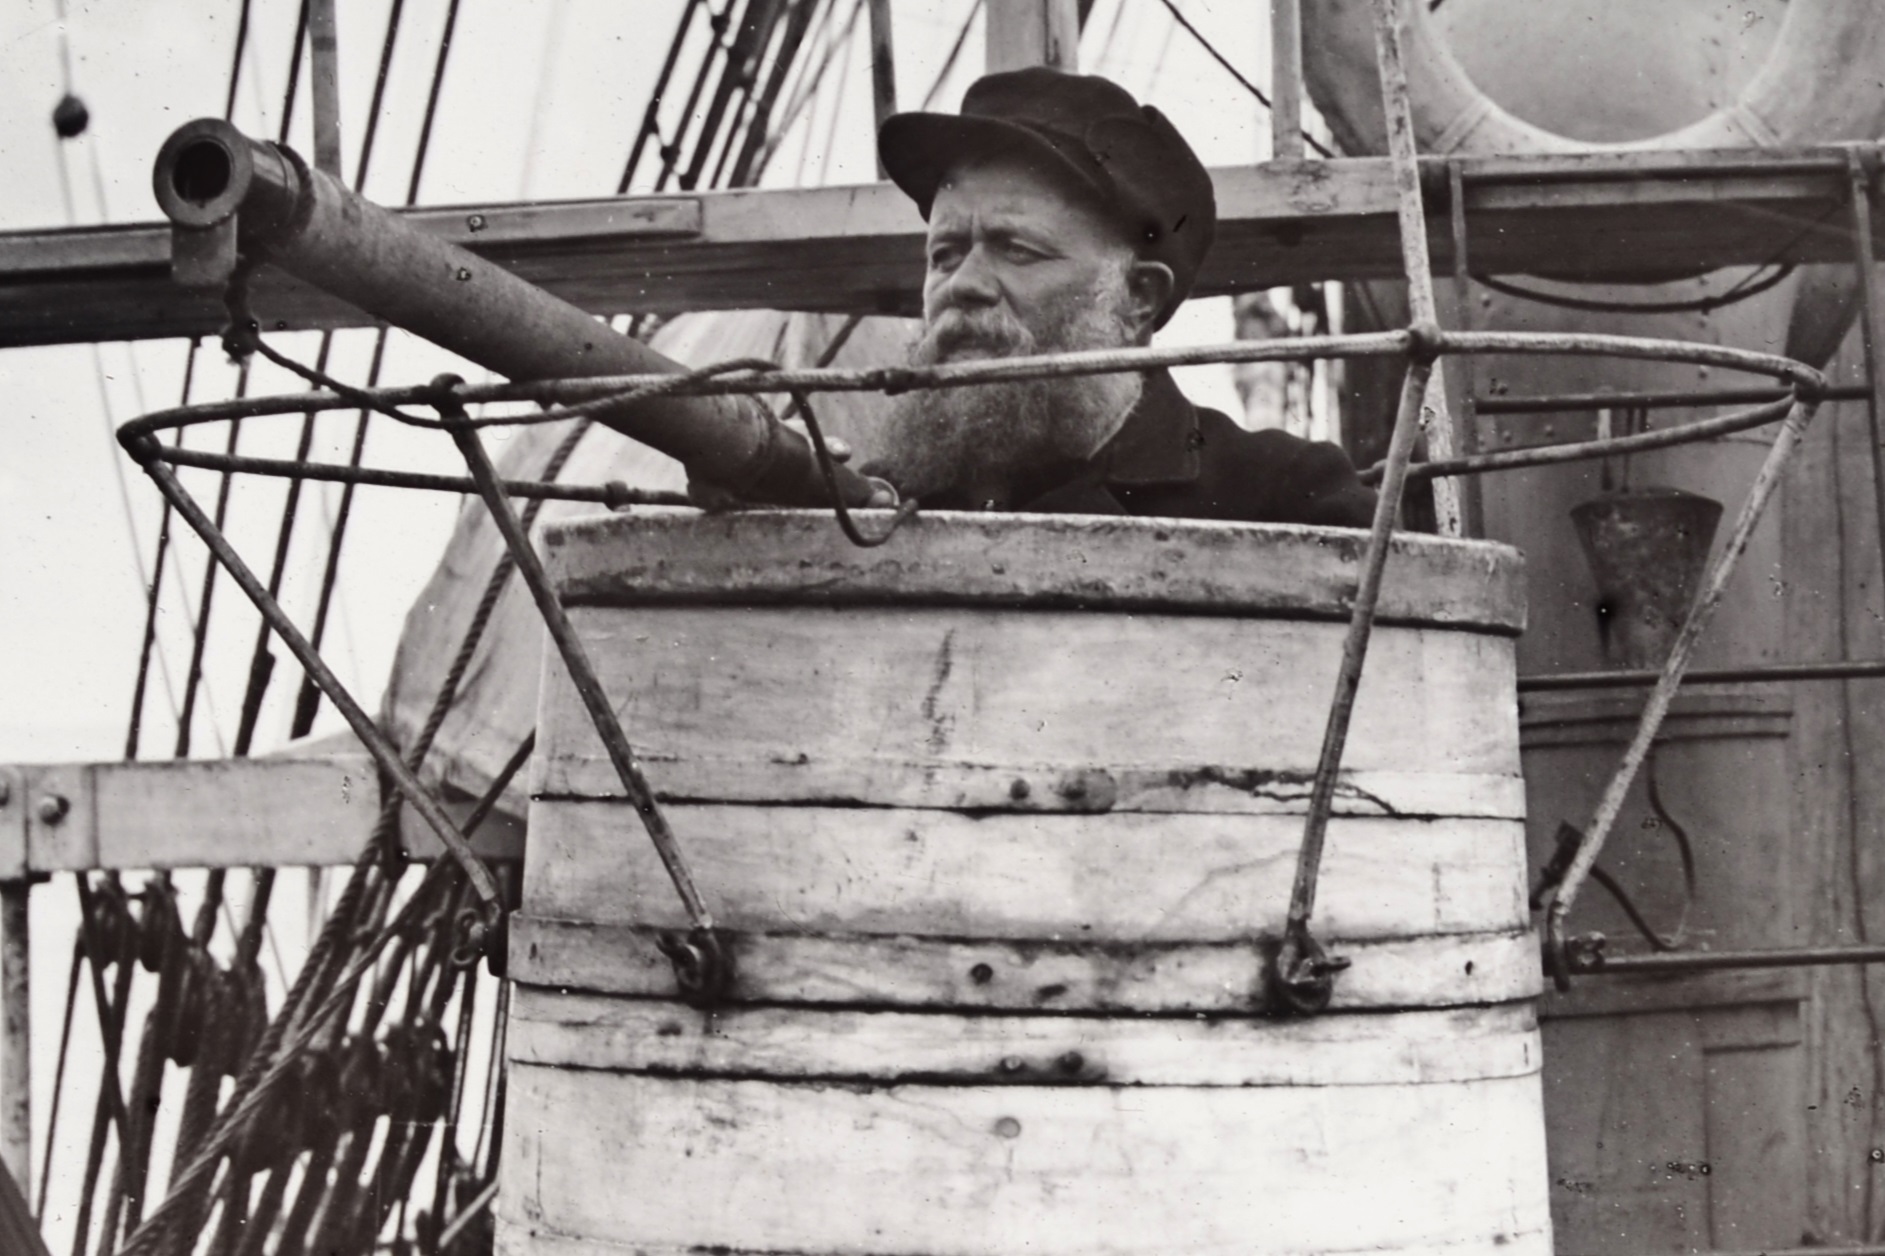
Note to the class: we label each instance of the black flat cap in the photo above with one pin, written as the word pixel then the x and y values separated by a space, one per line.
pixel 1129 156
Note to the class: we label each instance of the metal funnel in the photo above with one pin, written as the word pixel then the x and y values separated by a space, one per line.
pixel 1647 548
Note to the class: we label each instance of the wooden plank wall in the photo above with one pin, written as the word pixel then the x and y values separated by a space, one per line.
pixel 1833 605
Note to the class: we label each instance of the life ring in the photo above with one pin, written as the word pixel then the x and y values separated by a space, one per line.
pixel 1823 81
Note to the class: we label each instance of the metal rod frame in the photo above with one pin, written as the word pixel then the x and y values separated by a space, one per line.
pixel 385 755
pixel 701 962
pixel 1610 805
pixel 1753 673
pixel 1411 212
pixel 1668 399
pixel 579 390
pixel 1587 958
pixel 1472 498
pixel 1303 973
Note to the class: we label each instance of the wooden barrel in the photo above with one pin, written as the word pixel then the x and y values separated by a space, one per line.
pixel 1000 820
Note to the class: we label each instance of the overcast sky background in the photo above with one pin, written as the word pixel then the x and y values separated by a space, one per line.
pixel 540 101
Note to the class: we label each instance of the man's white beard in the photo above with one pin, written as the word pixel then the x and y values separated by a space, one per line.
pixel 982 438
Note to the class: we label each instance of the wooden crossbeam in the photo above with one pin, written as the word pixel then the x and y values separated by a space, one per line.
pixel 211 813
pixel 1613 216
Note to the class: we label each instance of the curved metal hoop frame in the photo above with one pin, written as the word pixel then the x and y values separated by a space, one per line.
pixel 1420 345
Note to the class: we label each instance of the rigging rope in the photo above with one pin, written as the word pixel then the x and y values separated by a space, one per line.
pixel 155 592
pixel 1262 99
pixel 650 124
pixel 308 700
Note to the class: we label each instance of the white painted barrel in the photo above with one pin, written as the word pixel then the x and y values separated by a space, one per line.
pixel 1000 820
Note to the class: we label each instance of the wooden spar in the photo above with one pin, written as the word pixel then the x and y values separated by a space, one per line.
pixel 1033 32
pixel 226 813
pixel 1607 217
pixel 324 53
pixel 998 823
pixel 1286 80
pixel 883 69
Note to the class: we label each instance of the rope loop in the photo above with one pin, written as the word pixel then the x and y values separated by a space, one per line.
pixel 828 469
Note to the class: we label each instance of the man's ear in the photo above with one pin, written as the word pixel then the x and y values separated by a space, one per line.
pixel 1149 286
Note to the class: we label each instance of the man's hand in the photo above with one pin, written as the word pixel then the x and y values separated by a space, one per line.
pixel 709 496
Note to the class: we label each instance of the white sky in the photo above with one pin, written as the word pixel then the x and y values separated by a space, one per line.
pixel 540 101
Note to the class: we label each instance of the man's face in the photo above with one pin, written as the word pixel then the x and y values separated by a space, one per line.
pixel 1016 266
pixel 1007 246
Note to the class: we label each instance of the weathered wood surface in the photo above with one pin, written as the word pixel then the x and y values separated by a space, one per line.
pixel 1039 788
pixel 863 970
pixel 648 1036
pixel 1098 878
pixel 1001 885
pixel 1674 1113
pixel 879 693
pixel 1833 606
pixel 1629 1152
pixel 1721 768
pixel 859 249
pixel 655 556
pixel 670 1165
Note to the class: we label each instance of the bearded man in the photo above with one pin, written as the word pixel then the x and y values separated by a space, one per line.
pixel 1061 216
pixel 1064 216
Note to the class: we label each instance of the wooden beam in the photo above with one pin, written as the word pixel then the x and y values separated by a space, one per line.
pixel 213 813
pixel 1286 80
pixel 1033 32
pixel 1603 217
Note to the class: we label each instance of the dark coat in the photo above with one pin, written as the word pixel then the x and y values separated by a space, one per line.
pixel 1175 459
